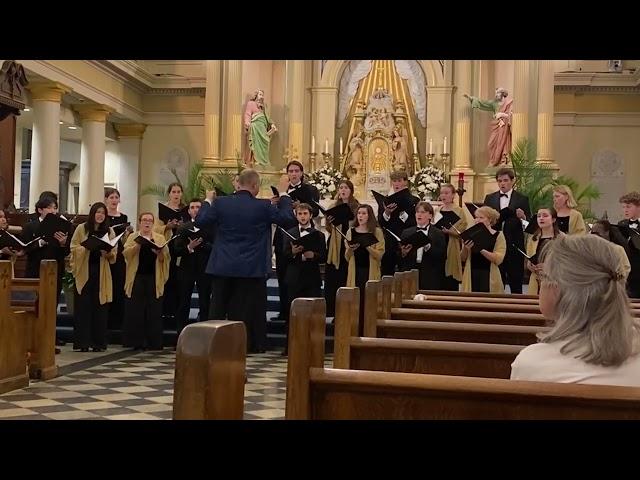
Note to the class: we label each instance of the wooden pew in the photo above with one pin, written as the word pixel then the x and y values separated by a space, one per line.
pixel 38 320
pixel 13 356
pixel 378 322
pixel 318 393
pixel 210 371
pixel 412 356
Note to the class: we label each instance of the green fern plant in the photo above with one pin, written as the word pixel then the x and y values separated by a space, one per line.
pixel 194 186
pixel 537 182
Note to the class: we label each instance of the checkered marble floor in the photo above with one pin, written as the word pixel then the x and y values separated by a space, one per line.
pixel 138 386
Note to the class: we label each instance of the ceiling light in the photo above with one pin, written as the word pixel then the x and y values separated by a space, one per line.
pixel 61 123
pixel 72 128
pixel 27 109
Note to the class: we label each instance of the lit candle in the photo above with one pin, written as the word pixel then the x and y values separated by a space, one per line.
pixel 313 144
pixel 444 148
pixel 340 145
pixel 431 146
pixel 415 145
pixel 326 145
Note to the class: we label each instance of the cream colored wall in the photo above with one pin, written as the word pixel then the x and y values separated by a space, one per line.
pixel 157 141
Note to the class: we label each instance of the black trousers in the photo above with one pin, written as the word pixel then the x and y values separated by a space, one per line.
pixel 90 328
pixel 297 291
pixel 512 271
pixel 480 279
pixel 170 297
pixel 281 272
pixel 633 288
pixel 116 307
pixel 334 278
pixel 243 300
pixel 450 284
pixel 143 315
pixel 187 278
pixel 389 260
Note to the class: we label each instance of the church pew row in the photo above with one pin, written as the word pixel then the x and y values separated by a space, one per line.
pixel 440 326
pixel 13 356
pixel 412 356
pixel 210 371
pixel 408 280
pixel 38 320
pixel 318 393
pixel 409 287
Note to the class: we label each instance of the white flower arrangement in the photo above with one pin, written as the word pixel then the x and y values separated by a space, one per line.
pixel 326 179
pixel 426 182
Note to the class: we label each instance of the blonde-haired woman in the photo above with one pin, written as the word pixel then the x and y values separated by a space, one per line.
pixel 595 338
pixel 481 272
pixel 145 278
pixel 570 220
pixel 453 265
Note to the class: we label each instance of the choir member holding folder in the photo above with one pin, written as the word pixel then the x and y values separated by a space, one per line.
pixel 147 257
pixel 423 247
pixel 395 213
pixel 546 231
pixel 193 247
pixel 451 220
pixel 120 224
pixel 170 216
pixel 483 251
pixel 364 248
pixel 53 243
pixel 305 249
pixel 93 249
pixel 340 216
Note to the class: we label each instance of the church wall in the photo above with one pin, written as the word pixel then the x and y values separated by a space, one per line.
pixel 590 123
pixel 158 141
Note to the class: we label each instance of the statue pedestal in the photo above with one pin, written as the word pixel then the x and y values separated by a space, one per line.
pixel 268 177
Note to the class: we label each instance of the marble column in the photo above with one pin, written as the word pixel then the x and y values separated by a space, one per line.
pixel 45 147
pixel 130 143
pixel 212 114
pixel 92 152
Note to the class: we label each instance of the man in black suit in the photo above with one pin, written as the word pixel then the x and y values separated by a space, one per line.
pixel 299 192
pixel 396 220
pixel 303 264
pixel 192 247
pixel 241 259
pixel 631 210
pixel 430 259
pixel 513 208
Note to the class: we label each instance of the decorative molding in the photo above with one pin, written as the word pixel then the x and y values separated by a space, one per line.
pixel 137 77
pixel 45 69
pixel 448 89
pixel 183 92
pixel 48 91
pixel 130 130
pixel 597 119
pixel 94 113
pixel 174 118
pixel 610 82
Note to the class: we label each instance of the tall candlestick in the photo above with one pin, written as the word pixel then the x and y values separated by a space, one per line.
pixel 431 146
pixel 340 145
pixel 415 145
pixel 461 177
pixel 326 145
pixel 444 148
pixel 313 144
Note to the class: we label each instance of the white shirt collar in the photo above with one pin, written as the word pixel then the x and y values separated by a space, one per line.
pixel 507 193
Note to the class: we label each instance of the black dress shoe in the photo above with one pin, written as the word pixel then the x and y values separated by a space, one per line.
pixel 60 343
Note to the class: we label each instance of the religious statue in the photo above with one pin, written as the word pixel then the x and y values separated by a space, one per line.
pixel 500 127
pixel 354 164
pixel 400 148
pixel 259 130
